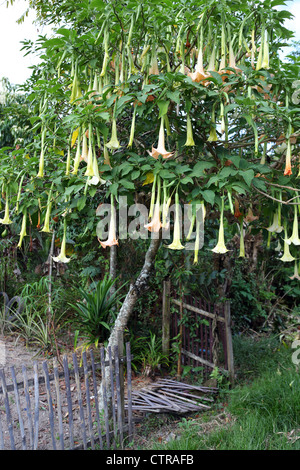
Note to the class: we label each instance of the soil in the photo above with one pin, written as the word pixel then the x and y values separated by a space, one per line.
pixel 153 428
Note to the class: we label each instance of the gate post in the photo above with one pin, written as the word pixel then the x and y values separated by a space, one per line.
pixel 230 360
pixel 166 318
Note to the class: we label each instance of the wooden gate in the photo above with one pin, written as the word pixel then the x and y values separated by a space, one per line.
pixel 60 409
pixel 201 330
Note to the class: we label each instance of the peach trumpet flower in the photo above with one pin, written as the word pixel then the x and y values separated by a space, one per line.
pixel 161 150
pixel 288 165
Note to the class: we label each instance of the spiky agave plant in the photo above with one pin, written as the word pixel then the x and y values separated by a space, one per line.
pixel 95 312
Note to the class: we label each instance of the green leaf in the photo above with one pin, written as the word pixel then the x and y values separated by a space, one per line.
pixel 208 196
pixel 248 176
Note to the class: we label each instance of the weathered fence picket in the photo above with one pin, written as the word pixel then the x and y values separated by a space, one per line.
pixel 60 409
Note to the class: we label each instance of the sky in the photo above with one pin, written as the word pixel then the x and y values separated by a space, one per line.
pixel 15 66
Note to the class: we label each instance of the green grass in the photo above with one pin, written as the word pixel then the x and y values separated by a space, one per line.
pixel 263 408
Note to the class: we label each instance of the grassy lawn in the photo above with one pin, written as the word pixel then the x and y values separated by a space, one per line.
pixel 261 412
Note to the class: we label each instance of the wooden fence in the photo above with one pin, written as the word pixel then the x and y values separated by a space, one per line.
pixel 60 408
pixel 205 339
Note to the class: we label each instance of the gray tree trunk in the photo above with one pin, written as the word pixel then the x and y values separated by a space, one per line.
pixel 135 290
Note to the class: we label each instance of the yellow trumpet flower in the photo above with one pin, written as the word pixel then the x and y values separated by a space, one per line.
pixel 220 247
pixel 189 133
pixel 62 258
pixel 287 257
pixel 23 229
pixel 176 244
pixel 113 143
pixel 294 238
pixel 6 220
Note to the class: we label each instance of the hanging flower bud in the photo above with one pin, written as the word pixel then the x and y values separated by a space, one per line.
pixel 296 272
pixel 42 155
pixel 287 257
pixel 46 227
pixel 242 242
pixel 23 229
pixel 6 220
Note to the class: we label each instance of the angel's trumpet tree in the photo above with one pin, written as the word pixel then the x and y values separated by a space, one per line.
pixel 112 236
pixel 161 150
pixel 176 244
pixel 6 220
pixel 23 229
pixel 62 258
pixel 220 247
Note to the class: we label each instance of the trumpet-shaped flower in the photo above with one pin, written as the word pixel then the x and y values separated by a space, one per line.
pixel 46 227
pixel 276 226
pixel 77 158
pixel 112 237
pixel 294 238
pixel 265 58
pixel 165 208
pixel 155 225
pixel 176 244
pixel 84 151
pixel 189 133
pixel 288 165
pixel 160 150
pixel 23 229
pixel 287 257
pixel 113 143
pixel 296 272
pixel 220 247
pixel 6 220
pixel 90 167
pixel 199 74
pixel 96 178
pixel 62 258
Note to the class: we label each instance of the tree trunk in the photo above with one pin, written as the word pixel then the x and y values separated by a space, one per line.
pixel 135 290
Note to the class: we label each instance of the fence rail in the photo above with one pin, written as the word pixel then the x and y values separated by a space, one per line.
pixel 206 333
pixel 60 409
